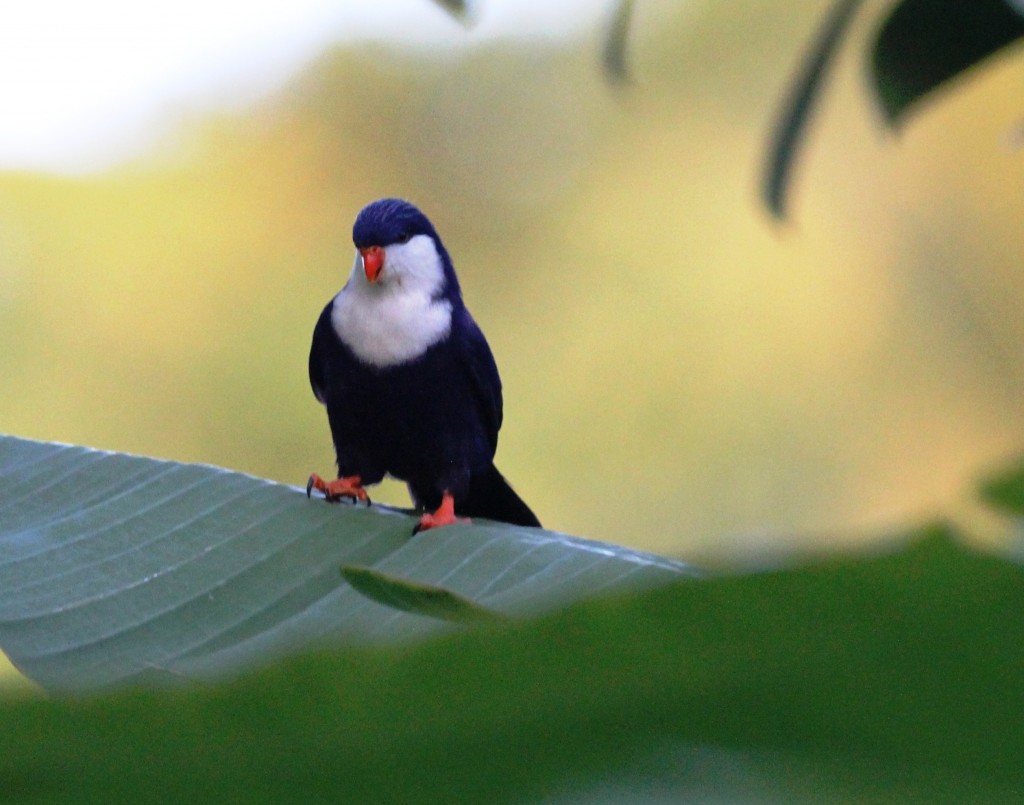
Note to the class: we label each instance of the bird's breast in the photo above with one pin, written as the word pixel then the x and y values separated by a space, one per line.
pixel 385 329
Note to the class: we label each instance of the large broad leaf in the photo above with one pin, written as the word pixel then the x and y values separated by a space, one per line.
pixel 891 679
pixel 117 568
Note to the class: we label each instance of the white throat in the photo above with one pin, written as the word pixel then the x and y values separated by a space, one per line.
pixel 396 319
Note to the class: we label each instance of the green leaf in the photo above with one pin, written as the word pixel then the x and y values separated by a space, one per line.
pixel 459 9
pixel 893 678
pixel 613 55
pixel 420 599
pixel 795 117
pixel 117 568
pixel 923 45
pixel 1005 490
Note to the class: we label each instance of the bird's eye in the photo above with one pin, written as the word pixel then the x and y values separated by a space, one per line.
pixel 405 237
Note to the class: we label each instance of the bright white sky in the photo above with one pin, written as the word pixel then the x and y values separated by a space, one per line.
pixel 85 81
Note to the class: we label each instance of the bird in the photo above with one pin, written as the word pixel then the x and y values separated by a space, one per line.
pixel 409 382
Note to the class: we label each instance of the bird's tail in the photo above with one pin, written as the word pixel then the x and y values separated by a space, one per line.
pixel 490 496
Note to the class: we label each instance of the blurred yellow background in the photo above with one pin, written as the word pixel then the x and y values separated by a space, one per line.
pixel 681 374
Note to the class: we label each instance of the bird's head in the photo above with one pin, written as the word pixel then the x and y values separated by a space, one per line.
pixel 398 247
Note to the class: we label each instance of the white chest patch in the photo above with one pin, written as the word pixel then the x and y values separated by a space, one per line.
pixel 396 319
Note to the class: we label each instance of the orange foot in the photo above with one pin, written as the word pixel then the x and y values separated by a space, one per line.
pixel 350 487
pixel 445 515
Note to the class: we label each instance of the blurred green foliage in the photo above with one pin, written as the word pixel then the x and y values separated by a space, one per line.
pixel 885 679
pixel 1005 490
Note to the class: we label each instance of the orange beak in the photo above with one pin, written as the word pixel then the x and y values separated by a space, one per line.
pixel 373 261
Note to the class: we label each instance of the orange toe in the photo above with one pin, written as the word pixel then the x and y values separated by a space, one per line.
pixel 349 487
pixel 445 515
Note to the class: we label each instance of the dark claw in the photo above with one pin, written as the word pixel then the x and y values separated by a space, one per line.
pixel 416 529
pixel 309 487
pixel 352 499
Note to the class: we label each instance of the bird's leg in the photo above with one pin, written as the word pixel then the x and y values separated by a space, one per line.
pixel 445 515
pixel 350 487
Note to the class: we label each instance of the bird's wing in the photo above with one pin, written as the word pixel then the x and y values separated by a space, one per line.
pixel 321 334
pixel 482 374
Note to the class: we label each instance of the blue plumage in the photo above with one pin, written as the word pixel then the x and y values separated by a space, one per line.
pixel 408 379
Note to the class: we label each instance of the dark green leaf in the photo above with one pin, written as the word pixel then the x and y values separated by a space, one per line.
pixel 795 117
pixel 117 568
pixel 925 44
pixel 419 599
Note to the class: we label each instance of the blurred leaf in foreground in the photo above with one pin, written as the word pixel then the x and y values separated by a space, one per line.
pixel 887 679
